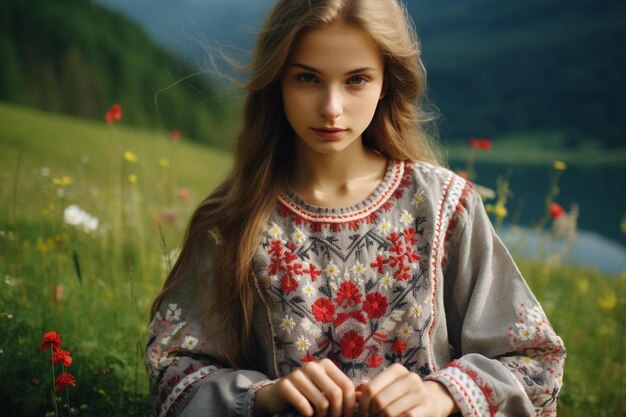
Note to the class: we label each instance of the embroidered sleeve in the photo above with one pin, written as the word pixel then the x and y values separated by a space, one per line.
pixel 185 376
pixel 509 360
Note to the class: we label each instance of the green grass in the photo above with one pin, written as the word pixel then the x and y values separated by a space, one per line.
pixel 102 315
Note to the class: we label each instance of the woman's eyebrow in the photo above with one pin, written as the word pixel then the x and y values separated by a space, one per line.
pixel 316 71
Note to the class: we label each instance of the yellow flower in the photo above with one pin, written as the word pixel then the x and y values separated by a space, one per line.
pixel 500 211
pixel 164 163
pixel 132 178
pixel 608 301
pixel 582 285
pixel 44 245
pixel 559 165
pixel 63 181
pixel 130 157
pixel 623 224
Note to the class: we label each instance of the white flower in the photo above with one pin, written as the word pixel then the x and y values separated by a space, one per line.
pixel 358 269
pixel 386 280
pixel 75 216
pixel 418 197
pixel 298 236
pixel 405 331
pixel 189 342
pixel 524 332
pixel 173 313
pixel 287 324
pixel 384 227
pixel 332 270
pixel 275 231
pixel 303 343
pixel 416 311
pixel 534 314
pixel 309 289
pixel 406 218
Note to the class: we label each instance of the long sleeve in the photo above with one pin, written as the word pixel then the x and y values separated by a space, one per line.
pixel 508 359
pixel 186 377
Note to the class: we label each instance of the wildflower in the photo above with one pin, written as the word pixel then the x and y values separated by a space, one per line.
pixel 63 381
pixel 114 114
pixel 34 382
pixel 50 340
pixel 559 165
pixel 484 144
pixel 164 163
pixel 75 216
pixel 623 224
pixel 62 356
pixel 44 245
pixel 62 181
pixel 130 157
pixel 608 301
pixel 175 134
pixel 45 171
pixel 183 194
pixel 132 179
pixel 58 292
pixel 556 211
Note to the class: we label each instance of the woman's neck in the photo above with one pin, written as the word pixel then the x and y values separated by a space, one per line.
pixel 337 179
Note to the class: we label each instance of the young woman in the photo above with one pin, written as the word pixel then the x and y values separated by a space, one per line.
pixel 339 270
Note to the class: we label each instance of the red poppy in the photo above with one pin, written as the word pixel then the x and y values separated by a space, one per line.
pixel 374 361
pixel 351 344
pixel 323 310
pixel 375 305
pixel 175 134
pixel 63 357
pixel 116 112
pixel 398 347
pixel 348 294
pixel 556 211
pixel 51 339
pixel 64 380
pixel 183 194
pixel 484 144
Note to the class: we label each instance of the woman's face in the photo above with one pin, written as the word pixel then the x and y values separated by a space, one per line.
pixel 331 87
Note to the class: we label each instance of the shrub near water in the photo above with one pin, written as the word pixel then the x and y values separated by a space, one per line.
pixel 82 254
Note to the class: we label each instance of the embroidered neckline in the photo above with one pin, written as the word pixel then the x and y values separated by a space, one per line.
pixel 391 181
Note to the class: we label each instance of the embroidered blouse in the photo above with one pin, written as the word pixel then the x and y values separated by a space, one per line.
pixel 414 274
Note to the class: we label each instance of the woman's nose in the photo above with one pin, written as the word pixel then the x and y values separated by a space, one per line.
pixel 331 106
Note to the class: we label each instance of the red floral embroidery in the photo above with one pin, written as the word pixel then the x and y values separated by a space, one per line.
pixel 308 358
pixel 374 361
pixel 348 294
pixel 323 310
pixel 398 347
pixel 284 262
pixel 375 305
pixel 352 344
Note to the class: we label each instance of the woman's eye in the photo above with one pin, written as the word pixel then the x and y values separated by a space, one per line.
pixel 357 80
pixel 306 78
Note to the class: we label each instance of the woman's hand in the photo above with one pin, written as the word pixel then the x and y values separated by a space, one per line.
pixel 316 389
pixel 398 392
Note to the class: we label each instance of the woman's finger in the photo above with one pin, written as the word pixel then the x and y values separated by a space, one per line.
pixel 288 392
pixel 400 396
pixel 371 389
pixel 345 396
pixel 314 384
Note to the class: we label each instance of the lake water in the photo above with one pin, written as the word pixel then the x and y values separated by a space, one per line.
pixel 598 192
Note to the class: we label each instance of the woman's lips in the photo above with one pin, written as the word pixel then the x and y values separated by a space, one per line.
pixel 329 133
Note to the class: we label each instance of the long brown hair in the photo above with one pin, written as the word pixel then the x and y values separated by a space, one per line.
pixel 240 206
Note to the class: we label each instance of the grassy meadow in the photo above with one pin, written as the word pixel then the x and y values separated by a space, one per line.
pixel 94 285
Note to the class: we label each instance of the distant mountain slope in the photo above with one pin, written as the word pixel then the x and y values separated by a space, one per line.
pixel 497 67
pixel 77 57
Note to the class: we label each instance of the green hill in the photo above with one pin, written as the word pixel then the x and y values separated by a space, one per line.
pixel 77 57
pixel 498 67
